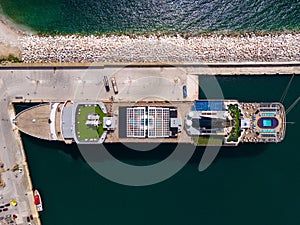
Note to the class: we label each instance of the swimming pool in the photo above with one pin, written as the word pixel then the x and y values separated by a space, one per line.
pixel 267 122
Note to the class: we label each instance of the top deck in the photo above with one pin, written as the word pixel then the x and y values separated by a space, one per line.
pixel 182 109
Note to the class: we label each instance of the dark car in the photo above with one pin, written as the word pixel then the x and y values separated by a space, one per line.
pixel 184 89
pixel 106 84
pixel 28 219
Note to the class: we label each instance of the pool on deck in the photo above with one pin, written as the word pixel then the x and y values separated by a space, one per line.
pixel 267 122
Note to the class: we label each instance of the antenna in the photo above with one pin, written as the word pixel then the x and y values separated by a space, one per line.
pixel 286 89
pixel 292 105
pixel 290 122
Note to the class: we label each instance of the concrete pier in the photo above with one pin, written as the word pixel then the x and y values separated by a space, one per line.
pixel 17 182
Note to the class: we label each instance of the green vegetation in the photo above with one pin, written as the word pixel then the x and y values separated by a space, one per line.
pixel 101 114
pixel 10 58
pixel 88 131
pixel 236 115
pixel 203 140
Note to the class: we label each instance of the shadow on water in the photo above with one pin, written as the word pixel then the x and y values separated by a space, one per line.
pixel 164 150
pixel 242 151
pixel 71 149
pixel 19 107
pixel 144 158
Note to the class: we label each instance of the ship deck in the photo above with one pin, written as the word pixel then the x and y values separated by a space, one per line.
pixel 36 121
pixel 182 107
pixel 259 134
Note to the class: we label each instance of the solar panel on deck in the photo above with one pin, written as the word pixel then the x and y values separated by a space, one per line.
pixel 136 122
pixel 147 121
pixel 160 126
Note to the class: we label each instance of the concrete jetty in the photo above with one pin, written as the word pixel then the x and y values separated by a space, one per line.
pixel 15 174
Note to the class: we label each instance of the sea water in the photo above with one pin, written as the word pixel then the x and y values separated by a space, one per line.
pixel 154 16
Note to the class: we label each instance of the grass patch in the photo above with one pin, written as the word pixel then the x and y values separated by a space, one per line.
pixel 236 114
pixel 11 58
pixel 85 131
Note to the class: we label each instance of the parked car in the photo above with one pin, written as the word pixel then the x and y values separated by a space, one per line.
pixel 106 84
pixel 184 89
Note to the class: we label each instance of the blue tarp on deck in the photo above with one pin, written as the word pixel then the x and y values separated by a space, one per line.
pixel 208 105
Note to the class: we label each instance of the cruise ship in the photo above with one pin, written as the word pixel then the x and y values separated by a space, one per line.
pixel 199 122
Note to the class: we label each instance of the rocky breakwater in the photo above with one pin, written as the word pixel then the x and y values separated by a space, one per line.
pixel 203 48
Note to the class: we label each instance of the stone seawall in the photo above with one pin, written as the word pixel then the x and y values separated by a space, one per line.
pixel 206 48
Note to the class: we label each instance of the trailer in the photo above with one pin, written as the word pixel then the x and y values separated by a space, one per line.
pixel 114 85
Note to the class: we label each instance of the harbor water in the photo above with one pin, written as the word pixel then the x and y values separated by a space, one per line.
pixel 150 16
pixel 249 184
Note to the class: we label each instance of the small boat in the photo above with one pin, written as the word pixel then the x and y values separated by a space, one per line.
pixel 38 200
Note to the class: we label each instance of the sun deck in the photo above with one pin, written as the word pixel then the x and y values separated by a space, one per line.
pixel 267 122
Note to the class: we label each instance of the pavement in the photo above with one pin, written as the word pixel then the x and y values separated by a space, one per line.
pixel 17 183
pixel 49 84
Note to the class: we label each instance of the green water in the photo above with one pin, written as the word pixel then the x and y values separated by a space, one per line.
pixel 251 184
pixel 152 16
